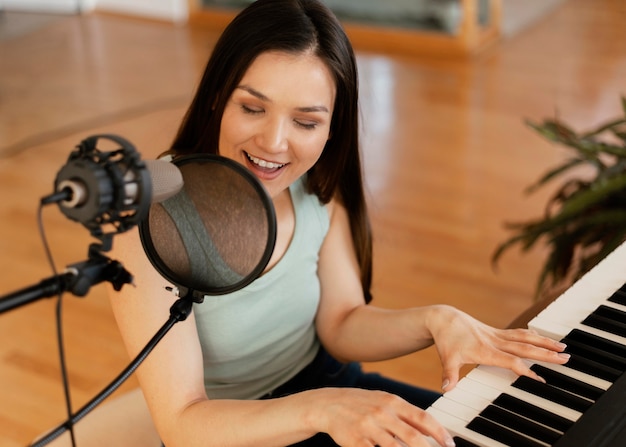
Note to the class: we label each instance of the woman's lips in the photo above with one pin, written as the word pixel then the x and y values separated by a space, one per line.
pixel 264 168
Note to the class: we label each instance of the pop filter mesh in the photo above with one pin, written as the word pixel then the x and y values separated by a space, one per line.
pixel 217 234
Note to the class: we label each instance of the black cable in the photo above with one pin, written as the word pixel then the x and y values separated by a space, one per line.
pixel 59 327
pixel 179 311
pixel 62 363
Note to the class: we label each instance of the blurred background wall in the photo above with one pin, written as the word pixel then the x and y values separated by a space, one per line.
pixel 516 14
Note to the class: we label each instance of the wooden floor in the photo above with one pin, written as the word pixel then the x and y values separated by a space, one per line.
pixel 447 156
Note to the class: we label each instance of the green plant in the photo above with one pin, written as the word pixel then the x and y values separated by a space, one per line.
pixel 586 218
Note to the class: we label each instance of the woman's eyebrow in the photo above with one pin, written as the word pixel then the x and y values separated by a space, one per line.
pixel 254 92
pixel 313 109
pixel 262 97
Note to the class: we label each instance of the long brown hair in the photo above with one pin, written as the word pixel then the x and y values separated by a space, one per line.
pixel 292 26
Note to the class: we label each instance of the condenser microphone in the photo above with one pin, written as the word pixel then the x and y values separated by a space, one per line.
pixel 74 190
pixel 111 191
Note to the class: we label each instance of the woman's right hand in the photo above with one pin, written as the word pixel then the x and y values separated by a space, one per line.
pixel 355 418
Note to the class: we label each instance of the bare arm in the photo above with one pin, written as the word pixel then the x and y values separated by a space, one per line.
pixel 172 375
pixel 172 379
pixel 351 330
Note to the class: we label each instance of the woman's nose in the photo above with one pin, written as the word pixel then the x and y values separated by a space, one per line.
pixel 273 137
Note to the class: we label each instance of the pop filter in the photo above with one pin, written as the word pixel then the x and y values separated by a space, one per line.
pixel 217 234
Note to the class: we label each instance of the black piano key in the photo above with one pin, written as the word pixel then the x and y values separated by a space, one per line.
pixel 598 342
pixel 551 393
pixel 619 297
pixel 460 442
pixel 597 355
pixel 593 368
pixel 603 425
pixel 607 319
pixel 533 412
pixel 518 423
pixel 613 313
pixel 609 312
pixel 501 434
pixel 567 383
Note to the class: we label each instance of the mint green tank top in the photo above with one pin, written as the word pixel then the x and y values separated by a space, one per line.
pixel 257 338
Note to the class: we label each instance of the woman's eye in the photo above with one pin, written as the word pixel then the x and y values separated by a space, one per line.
pixel 251 110
pixel 306 124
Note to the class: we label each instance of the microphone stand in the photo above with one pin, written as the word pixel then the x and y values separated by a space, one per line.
pixel 179 311
pixel 77 279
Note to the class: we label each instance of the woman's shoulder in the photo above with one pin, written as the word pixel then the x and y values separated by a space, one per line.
pixel 308 204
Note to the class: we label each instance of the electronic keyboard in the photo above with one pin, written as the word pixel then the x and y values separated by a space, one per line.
pixel 582 403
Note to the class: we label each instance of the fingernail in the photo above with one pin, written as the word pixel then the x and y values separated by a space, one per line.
pixel 560 345
pixel 450 442
pixel 564 355
pixel 445 384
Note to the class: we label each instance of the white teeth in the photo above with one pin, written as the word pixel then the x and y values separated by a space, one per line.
pixel 265 163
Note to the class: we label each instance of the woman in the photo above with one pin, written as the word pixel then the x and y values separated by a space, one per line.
pixel 280 96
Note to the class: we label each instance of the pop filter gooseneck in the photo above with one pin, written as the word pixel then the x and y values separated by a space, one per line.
pixel 215 236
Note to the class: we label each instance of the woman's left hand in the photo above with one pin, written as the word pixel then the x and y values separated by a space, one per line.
pixel 461 339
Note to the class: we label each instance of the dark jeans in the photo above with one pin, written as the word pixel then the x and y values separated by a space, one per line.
pixel 325 371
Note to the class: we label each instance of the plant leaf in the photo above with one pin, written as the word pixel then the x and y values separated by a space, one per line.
pixel 585 219
pixel 572 163
pixel 586 198
pixel 603 128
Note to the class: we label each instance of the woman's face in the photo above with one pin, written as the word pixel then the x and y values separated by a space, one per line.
pixel 277 120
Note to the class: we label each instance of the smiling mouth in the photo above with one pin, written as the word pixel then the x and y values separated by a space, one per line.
pixel 264 164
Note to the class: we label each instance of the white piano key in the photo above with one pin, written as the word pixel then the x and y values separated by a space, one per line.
pixel 468 399
pixel 580 300
pixel 485 384
pixel 546 404
pixel 465 413
pixel 601 333
pixel 460 410
pixel 479 403
pixel 474 401
pixel 567 313
pixel 491 392
pixel 456 427
pixel 547 326
pixel 501 379
pixel 479 389
pixel 617 306
pixel 583 377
